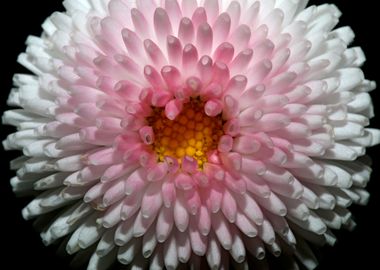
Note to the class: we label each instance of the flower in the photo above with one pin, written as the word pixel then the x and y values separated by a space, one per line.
pixel 187 132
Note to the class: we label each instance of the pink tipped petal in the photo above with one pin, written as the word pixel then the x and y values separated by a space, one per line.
pixel 168 193
pixel 204 220
pixel 204 38
pixel 162 24
pixel 241 37
pixel 231 107
pixel 197 240
pixel 263 50
pixel 174 10
pixel 234 10
pixel 154 53
pixel 164 224
pixel 186 31
pixel 174 50
pixel 214 198
pixel 205 69
pixel 213 90
pixel 250 116
pixel 261 70
pixel 246 145
pixel 229 206
pixel 225 144
pixel 201 179
pixel 152 201
pixel 184 248
pixel 157 172
pixel 184 181
pixel 236 185
pixel 140 22
pixel 172 77
pixel 213 254
pixel 173 109
pixel 189 57
pixel 224 53
pixel 160 98
pixel 221 73
pixel 172 163
pixel 199 16
pixel 181 216
pixel 193 201
pixel 222 230
pixel 241 61
pixel 213 108
pixel 132 41
pixel 194 86
pixel 251 94
pixel 153 77
pixel 214 171
pixel 221 28
pixel 236 86
pixel 232 160
pixel 188 7
pixel 212 9
pixel 251 209
pixel 147 135
pixel 189 164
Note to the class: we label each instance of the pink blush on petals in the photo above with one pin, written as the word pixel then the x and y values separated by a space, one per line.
pixel 195 132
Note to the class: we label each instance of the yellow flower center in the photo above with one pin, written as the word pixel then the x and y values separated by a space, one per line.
pixel 192 133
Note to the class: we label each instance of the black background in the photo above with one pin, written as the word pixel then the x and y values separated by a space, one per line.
pixel 21 247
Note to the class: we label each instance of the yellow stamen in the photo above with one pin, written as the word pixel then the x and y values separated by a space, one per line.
pixel 192 133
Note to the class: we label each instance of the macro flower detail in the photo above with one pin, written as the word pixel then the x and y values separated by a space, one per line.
pixel 207 133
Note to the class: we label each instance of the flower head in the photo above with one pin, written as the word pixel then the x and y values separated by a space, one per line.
pixel 192 131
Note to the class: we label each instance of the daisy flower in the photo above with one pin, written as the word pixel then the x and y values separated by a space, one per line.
pixel 199 133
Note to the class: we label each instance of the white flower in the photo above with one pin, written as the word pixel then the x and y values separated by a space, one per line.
pixel 192 132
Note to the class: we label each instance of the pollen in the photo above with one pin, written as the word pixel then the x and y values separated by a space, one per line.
pixel 192 133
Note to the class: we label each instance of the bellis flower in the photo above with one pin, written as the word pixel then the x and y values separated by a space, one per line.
pixel 206 133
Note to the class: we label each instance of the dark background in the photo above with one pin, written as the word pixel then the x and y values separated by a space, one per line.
pixel 21 247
